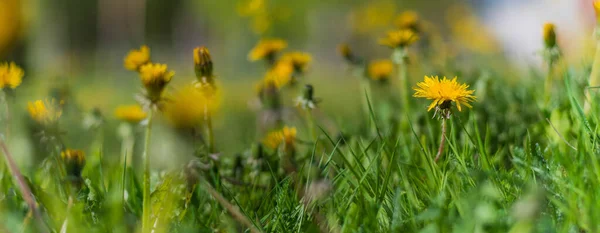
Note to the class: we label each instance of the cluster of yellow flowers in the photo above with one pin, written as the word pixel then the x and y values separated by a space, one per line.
pixel 11 75
pixel 154 76
pixel 281 71
pixel 286 135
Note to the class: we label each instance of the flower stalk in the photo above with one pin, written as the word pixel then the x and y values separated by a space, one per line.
pixel 445 118
pixel 146 205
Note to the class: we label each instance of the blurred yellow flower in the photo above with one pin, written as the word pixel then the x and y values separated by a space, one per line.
pixel 298 60
pixel 130 113
pixel 11 23
pixel 74 161
pixel 549 35
pixel 380 70
pixel 286 135
pixel 11 75
pixel 44 112
pixel 399 38
pixel 251 7
pixel 408 20
pixel 266 49
pixel 444 92
pixel 597 8
pixel 468 31
pixel 203 64
pixel 154 78
pixel 280 74
pixel 188 106
pixel 372 16
pixel 135 59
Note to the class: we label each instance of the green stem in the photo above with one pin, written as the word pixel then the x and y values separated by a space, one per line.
pixel 403 78
pixel 146 211
pixel 594 79
pixel 442 139
pixel 311 124
pixel 209 130
pixel 548 84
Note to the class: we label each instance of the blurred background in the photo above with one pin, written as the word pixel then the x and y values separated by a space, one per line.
pixel 73 50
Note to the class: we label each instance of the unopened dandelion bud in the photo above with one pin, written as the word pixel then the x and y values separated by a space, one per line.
pixel 308 92
pixel 203 64
pixel 549 35
pixel 74 162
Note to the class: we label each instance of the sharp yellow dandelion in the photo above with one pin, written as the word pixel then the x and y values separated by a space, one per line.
pixel 130 113
pixel 135 59
pixel 443 92
pixel 154 78
pixel 399 38
pixel 11 75
pixel 266 49
pixel 380 70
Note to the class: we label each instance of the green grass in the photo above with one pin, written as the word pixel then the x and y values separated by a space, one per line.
pixel 512 163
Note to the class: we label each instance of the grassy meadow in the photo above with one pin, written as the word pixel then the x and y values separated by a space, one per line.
pixel 404 123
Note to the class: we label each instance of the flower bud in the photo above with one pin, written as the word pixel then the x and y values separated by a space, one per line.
pixel 549 35
pixel 203 63
pixel 74 162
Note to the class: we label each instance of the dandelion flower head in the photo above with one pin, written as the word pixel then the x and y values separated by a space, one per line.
pixel 135 59
pixel 11 75
pixel 443 92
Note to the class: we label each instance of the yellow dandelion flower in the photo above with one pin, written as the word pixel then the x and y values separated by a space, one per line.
pixel 188 106
pixel 11 75
pixel 135 59
pixel 298 60
pixel 468 30
pixel 44 112
pixel 444 92
pixel 203 64
pixel 549 35
pixel 380 69
pixel 280 75
pixel 399 38
pixel 286 135
pixel 289 135
pixel 266 49
pixel 154 78
pixel 74 161
pixel 408 20
pixel 130 113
